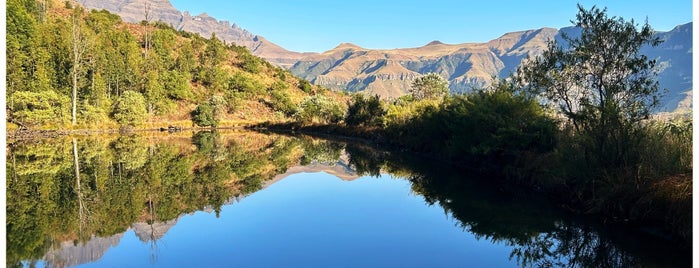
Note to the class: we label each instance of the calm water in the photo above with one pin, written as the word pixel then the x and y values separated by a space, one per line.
pixel 254 200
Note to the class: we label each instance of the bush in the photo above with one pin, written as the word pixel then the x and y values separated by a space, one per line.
pixel 244 83
pixel 35 108
pixel 319 109
pixel 493 130
pixel 305 86
pixel 281 102
pixel 130 108
pixel 204 115
pixel 365 111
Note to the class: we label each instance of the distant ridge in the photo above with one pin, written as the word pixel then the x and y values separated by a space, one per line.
pixel 388 72
pixel 162 10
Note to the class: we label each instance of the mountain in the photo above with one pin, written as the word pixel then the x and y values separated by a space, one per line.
pixel 388 73
pixel 471 65
pixel 135 11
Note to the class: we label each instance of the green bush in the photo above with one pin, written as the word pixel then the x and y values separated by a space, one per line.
pixel 494 128
pixel 281 102
pixel 319 109
pixel 35 108
pixel 244 83
pixel 305 86
pixel 130 108
pixel 365 111
pixel 204 115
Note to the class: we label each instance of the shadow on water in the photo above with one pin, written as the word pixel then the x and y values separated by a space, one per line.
pixel 64 193
pixel 541 234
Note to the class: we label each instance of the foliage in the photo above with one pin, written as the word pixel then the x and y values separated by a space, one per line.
pixel 305 86
pixel 204 116
pixel 365 111
pixel 429 86
pixel 170 68
pixel 319 109
pixel 39 107
pixel 282 102
pixel 246 84
pixel 601 84
pixel 130 109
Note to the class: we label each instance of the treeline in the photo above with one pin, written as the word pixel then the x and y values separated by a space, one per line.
pixel 574 123
pixel 68 67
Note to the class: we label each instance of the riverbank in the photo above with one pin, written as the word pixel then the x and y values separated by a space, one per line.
pixel 662 207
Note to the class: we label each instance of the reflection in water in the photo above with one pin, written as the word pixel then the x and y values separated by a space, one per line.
pixel 69 200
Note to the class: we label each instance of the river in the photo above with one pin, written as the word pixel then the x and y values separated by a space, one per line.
pixel 248 199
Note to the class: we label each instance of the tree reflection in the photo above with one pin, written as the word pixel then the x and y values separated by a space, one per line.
pixel 540 235
pixel 75 189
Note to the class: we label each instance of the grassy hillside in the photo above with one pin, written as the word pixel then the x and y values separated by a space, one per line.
pixel 68 68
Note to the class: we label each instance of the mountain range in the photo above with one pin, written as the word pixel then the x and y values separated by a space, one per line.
pixel 388 73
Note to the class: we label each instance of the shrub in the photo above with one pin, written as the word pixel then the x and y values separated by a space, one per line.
pixel 305 86
pixel 319 109
pixel 130 108
pixel 35 108
pixel 281 102
pixel 365 111
pixel 204 115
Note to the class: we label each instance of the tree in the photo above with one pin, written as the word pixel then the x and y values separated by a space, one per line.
pixel 319 108
pixel 79 46
pixel 207 114
pixel 36 108
pixel 130 108
pixel 600 83
pixel 429 86
pixel 366 111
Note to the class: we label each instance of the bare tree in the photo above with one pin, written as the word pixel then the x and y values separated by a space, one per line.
pixel 79 46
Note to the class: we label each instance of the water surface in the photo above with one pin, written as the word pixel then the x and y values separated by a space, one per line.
pixel 256 200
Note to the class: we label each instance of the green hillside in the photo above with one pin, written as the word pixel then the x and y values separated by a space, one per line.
pixel 68 68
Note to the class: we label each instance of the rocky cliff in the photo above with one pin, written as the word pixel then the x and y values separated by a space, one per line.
pixel 472 65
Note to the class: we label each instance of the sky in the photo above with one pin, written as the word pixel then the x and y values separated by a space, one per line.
pixel 316 26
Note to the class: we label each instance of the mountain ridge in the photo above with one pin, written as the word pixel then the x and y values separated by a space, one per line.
pixel 135 11
pixel 388 72
pixel 473 65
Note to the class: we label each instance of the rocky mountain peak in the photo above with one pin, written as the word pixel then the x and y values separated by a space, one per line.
pixel 344 46
pixel 434 43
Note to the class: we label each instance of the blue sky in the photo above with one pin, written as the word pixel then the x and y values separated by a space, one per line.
pixel 314 25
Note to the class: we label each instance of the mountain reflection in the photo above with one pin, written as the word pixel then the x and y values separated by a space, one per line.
pixel 70 199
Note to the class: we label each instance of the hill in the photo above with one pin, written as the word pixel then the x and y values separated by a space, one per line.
pixel 70 68
pixel 135 11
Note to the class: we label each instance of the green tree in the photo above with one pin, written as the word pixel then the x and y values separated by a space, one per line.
pixel 319 109
pixel 365 111
pixel 429 86
pixel 130 108
pixel 207 114
pixel 35 108
pixel 601 84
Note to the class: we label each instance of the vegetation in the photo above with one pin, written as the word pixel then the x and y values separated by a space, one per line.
pixel 70 68
pixel 573 123
pixel 319 109
pixel 365 111
pixel 130 108
pixel 429 86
